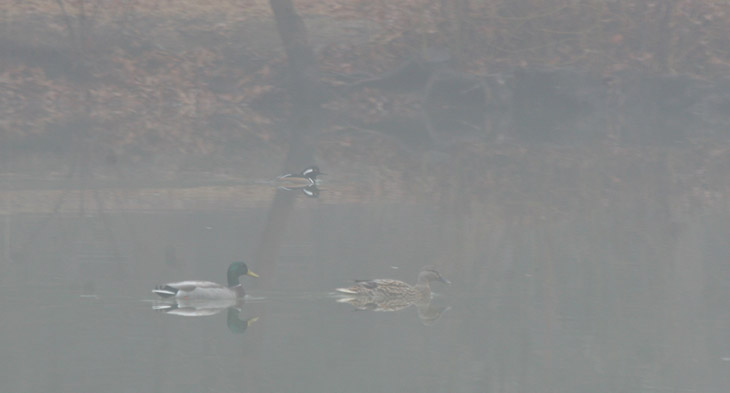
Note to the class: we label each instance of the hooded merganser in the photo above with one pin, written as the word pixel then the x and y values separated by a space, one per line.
pixel 311 191
pixel 306 178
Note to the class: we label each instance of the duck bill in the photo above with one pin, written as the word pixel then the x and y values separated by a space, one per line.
pixel 445 281
pixel 252 274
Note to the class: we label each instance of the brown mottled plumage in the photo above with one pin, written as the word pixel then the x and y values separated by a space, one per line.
pixel 390 295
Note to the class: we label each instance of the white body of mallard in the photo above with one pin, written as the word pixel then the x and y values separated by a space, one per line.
pixel 200 290
pixel 193 290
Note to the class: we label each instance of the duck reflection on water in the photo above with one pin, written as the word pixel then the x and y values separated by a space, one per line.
pixel 206 308
pixel 196 308
pixel 204 298
pixel 394 295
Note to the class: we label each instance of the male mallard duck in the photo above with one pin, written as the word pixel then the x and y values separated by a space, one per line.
pixel 390 295
pixel 206 290
pixel 306 178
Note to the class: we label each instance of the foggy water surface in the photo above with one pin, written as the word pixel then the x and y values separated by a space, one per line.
pixel 619 296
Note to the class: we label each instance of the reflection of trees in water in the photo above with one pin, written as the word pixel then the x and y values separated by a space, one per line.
pixel 611 289
pixel 70 196
pixel 613 280
pixel 594 288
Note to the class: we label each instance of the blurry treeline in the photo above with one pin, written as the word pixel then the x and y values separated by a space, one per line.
pixel 130 80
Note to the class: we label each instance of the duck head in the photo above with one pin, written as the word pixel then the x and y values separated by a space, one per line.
pixel 311 173
pixel 429 275
pixel 236 270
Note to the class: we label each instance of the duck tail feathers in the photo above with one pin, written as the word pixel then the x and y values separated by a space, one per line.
pixel 346 290
pixel 165 291
pixel 165 307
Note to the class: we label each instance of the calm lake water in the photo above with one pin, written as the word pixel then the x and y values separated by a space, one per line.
pixel 624 294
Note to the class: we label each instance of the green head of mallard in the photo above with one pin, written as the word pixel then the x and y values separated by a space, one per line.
pixel 236 270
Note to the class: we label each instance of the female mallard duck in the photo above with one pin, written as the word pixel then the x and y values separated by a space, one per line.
pixel 206 290
pixel 390 295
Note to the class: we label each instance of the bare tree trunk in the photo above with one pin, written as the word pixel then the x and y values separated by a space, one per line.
pixel 665 36
pixel 306 89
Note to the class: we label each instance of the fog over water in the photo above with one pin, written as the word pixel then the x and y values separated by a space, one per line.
pixel 568 197
pixel 626 295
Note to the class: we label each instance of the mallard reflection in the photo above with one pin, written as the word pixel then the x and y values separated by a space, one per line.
pixel 196 308
pixel 234 322
pixel 395 295
pixel 200 308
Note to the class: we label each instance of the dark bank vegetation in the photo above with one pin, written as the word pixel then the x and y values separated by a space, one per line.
pixel 204 85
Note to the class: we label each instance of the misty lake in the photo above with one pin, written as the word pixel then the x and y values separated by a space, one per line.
pixel 627 292
pixel 560 170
